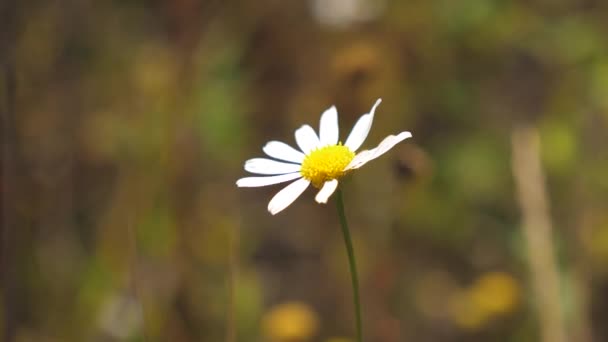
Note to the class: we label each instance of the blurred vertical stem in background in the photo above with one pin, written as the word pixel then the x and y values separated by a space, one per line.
pixel 135 281
pixel 532 197
pixel 232 280
pixel 351 261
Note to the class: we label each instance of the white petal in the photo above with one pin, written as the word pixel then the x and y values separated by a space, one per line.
pixel 282 151
pixel 328 188
pixel 328 127
pixel 361 129
pixel 286 196
pixel 365 156
pixel 360 159
pixel 307 139
pixel 265 166
pixel 250 182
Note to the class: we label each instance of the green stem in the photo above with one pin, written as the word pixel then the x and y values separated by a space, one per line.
pixel 351 261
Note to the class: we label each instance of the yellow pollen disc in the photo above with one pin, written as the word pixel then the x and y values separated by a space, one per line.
pixel 326 163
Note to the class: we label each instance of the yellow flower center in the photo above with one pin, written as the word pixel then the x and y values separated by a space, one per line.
pixel 326 163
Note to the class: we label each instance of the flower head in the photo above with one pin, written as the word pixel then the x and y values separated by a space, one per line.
pixel 322 161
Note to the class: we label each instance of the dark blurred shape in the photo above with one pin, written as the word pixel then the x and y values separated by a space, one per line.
pixel 412 164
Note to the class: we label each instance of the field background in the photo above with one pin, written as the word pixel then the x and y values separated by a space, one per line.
pixel 126 123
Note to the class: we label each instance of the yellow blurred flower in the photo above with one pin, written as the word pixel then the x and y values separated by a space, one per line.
pixel 495 293
pixel 290 321
pixel 492 294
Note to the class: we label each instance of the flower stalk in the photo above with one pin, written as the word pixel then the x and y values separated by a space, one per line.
pixel 351 262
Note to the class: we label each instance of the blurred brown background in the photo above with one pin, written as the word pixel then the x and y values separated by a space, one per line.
pixel 126 123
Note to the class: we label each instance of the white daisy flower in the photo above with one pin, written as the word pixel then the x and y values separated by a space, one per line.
pixel 321 162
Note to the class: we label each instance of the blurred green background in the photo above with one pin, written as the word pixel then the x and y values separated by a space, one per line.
pixel 125 125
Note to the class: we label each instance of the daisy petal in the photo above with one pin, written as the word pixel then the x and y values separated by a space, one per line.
pixel 360 159
pixel 361 129
pixel 282 151
pixel 328 127
pixel 286 196
pixel 328 188
pixel 307 139
pixel 251 182
pixel 386 144
pixel 265 166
